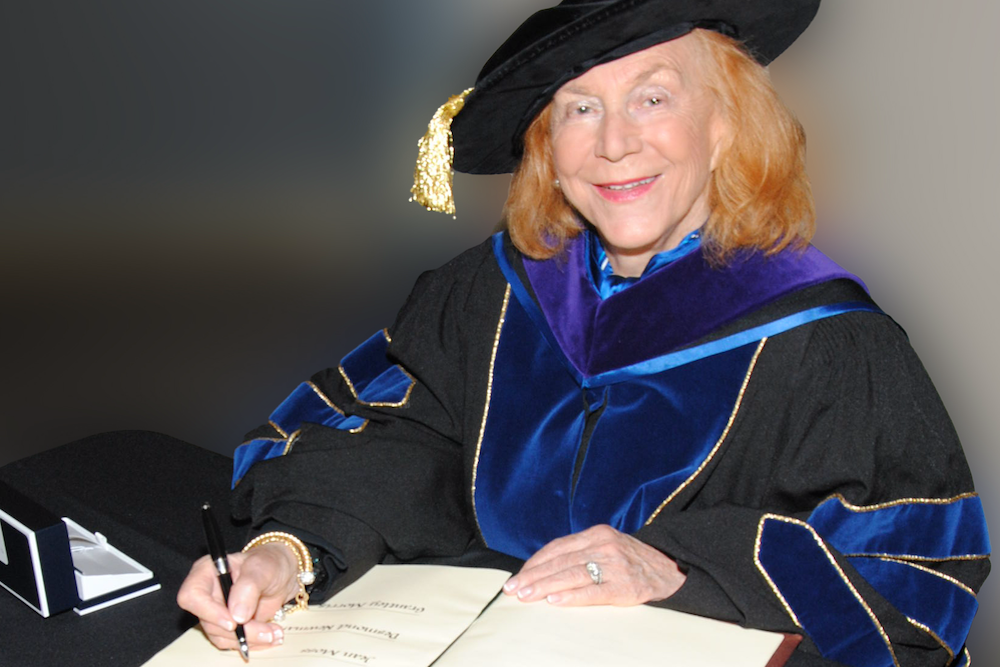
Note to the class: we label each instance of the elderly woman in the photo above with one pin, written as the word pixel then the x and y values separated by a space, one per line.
pixel 649 389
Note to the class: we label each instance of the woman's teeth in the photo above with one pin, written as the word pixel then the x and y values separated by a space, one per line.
pixel 629 186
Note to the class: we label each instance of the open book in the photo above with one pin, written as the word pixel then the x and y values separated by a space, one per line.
pixel 418 615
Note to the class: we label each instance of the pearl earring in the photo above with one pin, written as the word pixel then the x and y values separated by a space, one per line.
pixel 555 184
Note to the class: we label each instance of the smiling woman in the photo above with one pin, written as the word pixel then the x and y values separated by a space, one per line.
pixel 651 390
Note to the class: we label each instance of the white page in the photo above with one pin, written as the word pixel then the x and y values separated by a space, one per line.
pixel 393 616
pixel 537 634
pixel 406 615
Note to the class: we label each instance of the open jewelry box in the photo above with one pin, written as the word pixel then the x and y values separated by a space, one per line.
pixel 54 564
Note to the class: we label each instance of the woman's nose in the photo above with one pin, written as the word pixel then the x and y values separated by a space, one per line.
pixel 619 137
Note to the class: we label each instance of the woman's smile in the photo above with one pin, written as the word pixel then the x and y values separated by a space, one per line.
pixel 625 191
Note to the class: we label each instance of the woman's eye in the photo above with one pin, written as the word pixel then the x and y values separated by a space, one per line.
pixel 581 109
pixel 654 100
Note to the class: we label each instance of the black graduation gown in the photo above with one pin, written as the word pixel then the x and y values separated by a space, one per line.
pixel 837 413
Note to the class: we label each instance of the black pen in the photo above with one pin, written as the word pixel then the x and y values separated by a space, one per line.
pixel 217 551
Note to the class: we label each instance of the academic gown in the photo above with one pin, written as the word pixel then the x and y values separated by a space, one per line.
pixel 804 475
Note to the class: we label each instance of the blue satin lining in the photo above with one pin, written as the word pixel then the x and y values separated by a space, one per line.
pixel 375 380
pixel 303 405
pixel 535 425
pixel 373 376
pixel 917 530
pixel 603 277
pixel 935 602
pixel 912 530
pixel 256 450
pixel 826 608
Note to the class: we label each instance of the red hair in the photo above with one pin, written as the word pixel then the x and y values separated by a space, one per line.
pixel 759 194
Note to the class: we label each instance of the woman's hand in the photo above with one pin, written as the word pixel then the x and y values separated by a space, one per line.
pixel 632 572
pixel 264 579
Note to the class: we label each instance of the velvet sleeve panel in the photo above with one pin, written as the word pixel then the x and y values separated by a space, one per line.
pixel 838 407
pixel 393 488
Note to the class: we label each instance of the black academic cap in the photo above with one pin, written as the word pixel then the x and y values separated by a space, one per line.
pixel 558 44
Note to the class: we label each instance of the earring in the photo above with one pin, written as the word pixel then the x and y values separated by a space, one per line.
pixel 555 184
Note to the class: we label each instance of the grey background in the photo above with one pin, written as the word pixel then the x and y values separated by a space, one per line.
pixel 201 203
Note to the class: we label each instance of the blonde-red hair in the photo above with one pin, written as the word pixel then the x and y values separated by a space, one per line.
pixel 759 193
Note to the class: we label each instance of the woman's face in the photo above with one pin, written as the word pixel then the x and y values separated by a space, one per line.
pixel 634 143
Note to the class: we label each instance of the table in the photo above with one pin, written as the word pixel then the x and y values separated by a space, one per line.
pixel 143 490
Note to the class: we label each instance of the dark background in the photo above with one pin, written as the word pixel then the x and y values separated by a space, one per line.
pixel 201 203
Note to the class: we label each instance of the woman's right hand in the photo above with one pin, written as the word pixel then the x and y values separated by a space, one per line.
pixel 264 579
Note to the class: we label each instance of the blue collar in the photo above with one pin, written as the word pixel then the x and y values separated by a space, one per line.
pixel 603 277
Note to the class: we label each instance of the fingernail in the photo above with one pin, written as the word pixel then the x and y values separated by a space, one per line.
pixel 525 592
pixel 265 637
pixel 553 599
pixel 279 635
pixel 227 624
pixel 241 614
pixel 510 585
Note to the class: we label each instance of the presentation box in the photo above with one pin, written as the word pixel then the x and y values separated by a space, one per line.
pixel 53 564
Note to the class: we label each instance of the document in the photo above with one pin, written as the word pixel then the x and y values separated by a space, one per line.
pixel 409 615
pixel 393 616
pixel 513 633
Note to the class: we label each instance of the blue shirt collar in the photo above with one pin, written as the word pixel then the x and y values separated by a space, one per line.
pixel 603 277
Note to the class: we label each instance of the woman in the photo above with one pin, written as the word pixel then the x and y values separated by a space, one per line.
pixel 650 389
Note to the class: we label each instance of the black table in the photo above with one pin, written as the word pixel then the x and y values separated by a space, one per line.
pixel 143 491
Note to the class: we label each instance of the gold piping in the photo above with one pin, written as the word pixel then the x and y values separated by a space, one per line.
pixel 323 397
pixel 281 431
pixel 255 439
pixel 950 579
pixel 291 441
pixel 836 566
pixel 718 444
pixel 486 408
pixel 901 501
pixel 968 658
pixel 919 559
pixel 350 385
pixel 917 624
pixel 380 404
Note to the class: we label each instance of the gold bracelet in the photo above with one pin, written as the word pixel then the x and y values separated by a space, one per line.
pixel 305 577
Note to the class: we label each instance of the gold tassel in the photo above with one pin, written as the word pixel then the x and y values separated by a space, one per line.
pixel 432 177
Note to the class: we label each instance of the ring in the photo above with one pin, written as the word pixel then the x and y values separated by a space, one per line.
pixel 594 570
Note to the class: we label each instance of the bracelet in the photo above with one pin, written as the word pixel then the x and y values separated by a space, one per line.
pixel 305 577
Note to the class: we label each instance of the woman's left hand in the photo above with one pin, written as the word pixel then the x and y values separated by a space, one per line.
pixel 631 572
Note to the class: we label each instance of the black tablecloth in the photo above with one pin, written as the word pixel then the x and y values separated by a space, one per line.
pixel 144 492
